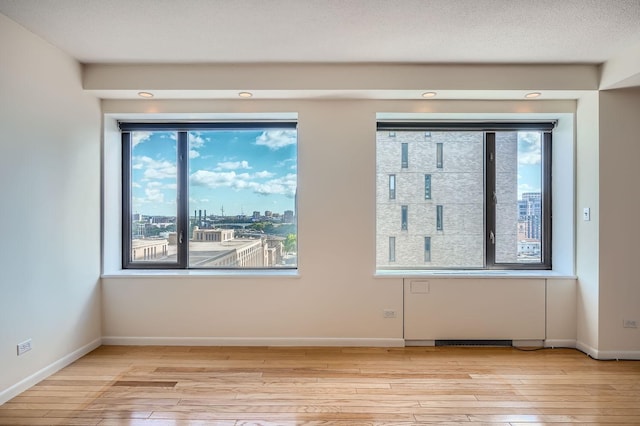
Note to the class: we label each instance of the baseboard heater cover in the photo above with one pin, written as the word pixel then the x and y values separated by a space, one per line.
pixel 501 343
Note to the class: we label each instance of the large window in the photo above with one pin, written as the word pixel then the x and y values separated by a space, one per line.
pixel 209 195
pixel 493 192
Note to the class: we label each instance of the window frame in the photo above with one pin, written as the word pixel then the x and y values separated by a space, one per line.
pixel 404 217
pixel 427 186
pixel 392 186
pixel 489 129
pixel 182 130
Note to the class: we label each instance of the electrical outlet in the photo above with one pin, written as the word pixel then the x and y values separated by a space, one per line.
pixel 24 347
pixel 389 313
pixel 630 323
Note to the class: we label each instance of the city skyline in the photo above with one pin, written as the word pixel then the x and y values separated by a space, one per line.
pixel 242 170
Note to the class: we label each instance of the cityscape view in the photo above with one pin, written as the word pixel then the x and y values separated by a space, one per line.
pixel 242 198
pixel 430 198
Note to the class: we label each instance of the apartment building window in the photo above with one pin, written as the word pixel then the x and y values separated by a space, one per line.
pixel 427 187
pixel 496 193
pixel 392 249
pixel 427 249
pixel 392 187
pixel 404 218
pixel 217 195
pixel 405 155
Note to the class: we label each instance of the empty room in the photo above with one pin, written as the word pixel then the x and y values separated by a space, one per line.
pixel 351 212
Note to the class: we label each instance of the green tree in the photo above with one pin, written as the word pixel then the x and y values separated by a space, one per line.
pixel 291 243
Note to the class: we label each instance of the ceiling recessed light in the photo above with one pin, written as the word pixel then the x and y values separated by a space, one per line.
pixel 429 94
pixel 532 95
pixel 145 94
pixel 245 94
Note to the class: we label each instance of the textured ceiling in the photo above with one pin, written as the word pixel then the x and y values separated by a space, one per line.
pixel 415 31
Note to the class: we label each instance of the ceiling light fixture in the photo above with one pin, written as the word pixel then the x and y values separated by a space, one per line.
pixel 532 95
pixel 245 94
pixel 429 94
pixel 145 94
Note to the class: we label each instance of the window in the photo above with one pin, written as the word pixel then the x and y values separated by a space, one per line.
pixel 496 190
pixel 439 155
pixel 427 249
pixel 392 187
pixel 188 186
pixel 392 249
pixel 405 155
pixel 404 218
pixel 427 187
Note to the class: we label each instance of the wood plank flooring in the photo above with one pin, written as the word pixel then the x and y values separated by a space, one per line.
pixel 162 386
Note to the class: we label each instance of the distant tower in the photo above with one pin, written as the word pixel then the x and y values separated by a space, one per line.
pixel 222 210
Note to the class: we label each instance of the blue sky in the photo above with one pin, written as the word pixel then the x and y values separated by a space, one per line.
pixel 529 162
pixel 242 170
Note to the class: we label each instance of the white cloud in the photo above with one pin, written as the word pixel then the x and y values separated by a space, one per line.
pixel 233 165
pixel 285 185
pixel 139 137
pixel 525 187
pixel 212 179
pixel 529 148
pixel 193 153
pixel 263 175
pixel 276 139
pixel 154 195
pixel 196 140
pixel 155 169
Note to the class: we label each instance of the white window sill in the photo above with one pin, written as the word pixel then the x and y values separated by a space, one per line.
pixel 201 273
pixel 472 274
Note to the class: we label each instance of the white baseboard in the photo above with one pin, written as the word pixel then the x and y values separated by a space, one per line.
pixel 45 372
pixel 252 341
pixel 560 343
pixel 619 355
pixel 607 355
pixel 582 347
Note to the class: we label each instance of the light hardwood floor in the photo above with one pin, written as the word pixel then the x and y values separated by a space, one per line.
pixel 153 386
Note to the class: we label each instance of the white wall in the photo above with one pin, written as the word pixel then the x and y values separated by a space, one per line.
pixel 336 299
pixel 587 233
pixel 619 231
pixel 50 209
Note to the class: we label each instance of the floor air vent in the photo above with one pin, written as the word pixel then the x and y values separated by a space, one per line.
pixel 502 343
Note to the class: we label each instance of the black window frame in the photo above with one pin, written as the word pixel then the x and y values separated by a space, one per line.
pixel 404 153
pixel 427 249
pixel 427 186
pixel 182 130
pixel 392 186
pixel 439 217
pixel 490 128
pixel 392 249
pixel 404 218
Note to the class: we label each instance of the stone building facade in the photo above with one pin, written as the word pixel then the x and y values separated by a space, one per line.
pixel 430 199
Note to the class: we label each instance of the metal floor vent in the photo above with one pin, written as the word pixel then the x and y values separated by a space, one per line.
pixel 501 343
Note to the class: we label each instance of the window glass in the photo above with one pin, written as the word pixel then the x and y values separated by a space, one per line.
pixel 392 249
pixel 392 187
pixel 518 197
pixel 242 189
pixel 219 196
pixel 405 155
pixel 153 189
pixel 485 209
pixel 427 187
